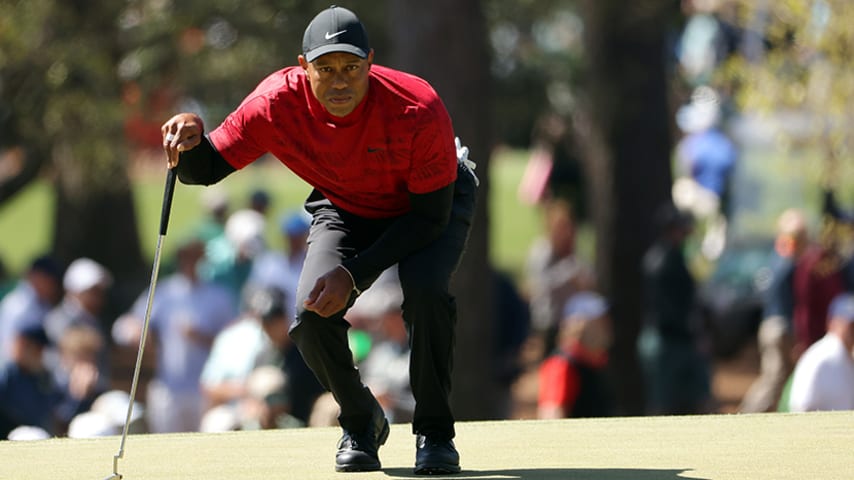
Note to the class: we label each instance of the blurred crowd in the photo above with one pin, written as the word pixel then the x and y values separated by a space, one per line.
pixel 221 358
pixel 216 333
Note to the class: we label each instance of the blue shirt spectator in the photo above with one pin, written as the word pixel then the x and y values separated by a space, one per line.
pixel 30 301
pixel 186 315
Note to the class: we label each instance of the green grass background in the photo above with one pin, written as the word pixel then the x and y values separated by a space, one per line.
pixel 768 181
pixel 26 220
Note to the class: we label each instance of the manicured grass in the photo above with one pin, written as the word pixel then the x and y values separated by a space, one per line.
pixel 713 447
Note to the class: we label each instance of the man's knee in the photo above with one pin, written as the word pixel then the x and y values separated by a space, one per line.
pixel 308 328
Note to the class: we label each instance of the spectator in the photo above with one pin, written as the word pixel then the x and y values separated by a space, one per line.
pixel 824 375
pixel 86 285
pixel 385 369
pixel 572 380
pixel 676 371
pixel 28 395
pixel 187 313
pixel 259 339
pixel 819 277
pixel 554 170
pixel 263 405
pixel 268 404
pixel 708 38
pixel 259 200
pixel 235 352
pixel 775 331
pixel 706 160
pixel 303 388
pixel 90 424
pixel 233 254
pixel 215 205
pixel 114 405
pixel 281 269
pixel 77 374
pixel 512 329
pixel 30 301
pixel 554 272
pixel 28 433
pixel 295 226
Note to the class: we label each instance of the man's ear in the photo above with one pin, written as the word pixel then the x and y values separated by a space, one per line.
pixel 370 58
pixel 302 62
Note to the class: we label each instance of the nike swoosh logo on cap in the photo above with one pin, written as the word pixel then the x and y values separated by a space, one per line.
pixel 330 36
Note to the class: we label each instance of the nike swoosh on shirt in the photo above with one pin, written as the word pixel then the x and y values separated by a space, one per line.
pixel 330 36
pixel 374 150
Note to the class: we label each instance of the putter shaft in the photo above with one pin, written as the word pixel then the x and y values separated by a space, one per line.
pixel 155 269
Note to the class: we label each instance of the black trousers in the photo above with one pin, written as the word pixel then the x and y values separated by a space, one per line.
pixel 429 311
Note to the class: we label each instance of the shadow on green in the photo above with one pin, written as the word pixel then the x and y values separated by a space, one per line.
pixel 555 474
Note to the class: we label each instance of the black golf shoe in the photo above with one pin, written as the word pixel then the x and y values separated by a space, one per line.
pixel 359 452
pixel 435 457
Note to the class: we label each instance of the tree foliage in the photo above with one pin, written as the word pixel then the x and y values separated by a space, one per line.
pixel 96 77
pixel 536 53
pixel 803 70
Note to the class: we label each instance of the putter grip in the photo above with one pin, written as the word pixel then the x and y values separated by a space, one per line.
pixel 171 175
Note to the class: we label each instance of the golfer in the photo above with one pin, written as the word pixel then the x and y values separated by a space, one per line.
pixel 389 187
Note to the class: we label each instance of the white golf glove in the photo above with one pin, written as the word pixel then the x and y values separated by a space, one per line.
pixel 463 159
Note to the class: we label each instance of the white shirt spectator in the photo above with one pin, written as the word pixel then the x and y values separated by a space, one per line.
pixel 235 352
pixel 823 378
pixel 185 316
pixel 180 305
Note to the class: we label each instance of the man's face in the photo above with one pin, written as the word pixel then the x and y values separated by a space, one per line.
pixel 338 80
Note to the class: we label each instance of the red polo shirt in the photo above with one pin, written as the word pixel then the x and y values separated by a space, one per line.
pixel 398 140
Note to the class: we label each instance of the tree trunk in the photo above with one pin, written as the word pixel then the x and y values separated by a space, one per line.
pixel 623 130
pixel 444 42
pixel 95 218
pixel 94 211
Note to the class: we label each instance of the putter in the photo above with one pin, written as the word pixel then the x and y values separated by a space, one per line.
pixel 164 221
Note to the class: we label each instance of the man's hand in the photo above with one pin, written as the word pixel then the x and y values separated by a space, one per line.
pixel 181 133
pixel 330 293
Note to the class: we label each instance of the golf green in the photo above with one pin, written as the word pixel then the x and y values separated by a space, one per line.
pixel 815 446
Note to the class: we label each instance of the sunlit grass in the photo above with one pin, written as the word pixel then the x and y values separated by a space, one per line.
pixel 767 183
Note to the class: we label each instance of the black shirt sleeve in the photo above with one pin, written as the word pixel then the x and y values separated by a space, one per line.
pixel 203 165
pixel 414 230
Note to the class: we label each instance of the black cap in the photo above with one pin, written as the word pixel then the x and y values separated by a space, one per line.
pixel 335 29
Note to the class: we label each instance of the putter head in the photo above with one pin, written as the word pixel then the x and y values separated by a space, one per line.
pixel 116 475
